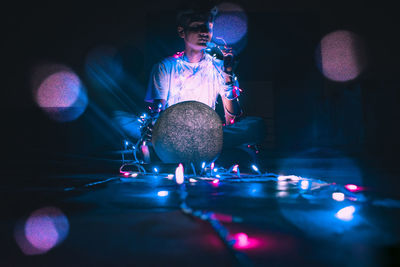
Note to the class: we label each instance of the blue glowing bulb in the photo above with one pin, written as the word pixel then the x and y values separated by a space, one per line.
pixel 216 169
pixel 156 170
pixel 304 185
pixel 126 143
pixel 203 165
pixel 254 167
pixel 162 193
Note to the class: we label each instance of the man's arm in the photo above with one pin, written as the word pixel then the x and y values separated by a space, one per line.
pixel 232 107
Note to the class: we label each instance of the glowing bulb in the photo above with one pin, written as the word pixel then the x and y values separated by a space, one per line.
pixel 235 168
pixel 192 180
pixel 304 185
pixel 218 176
pixel 155 170
pixel 254 168
pixel 203 165
pixel 162 193
pixel 242 240
pixel 346 214
pixel 338 196
pixel 134 174
pixel 216 169
pixel 179 174
pixel 126 173
pixel 170 176
pixel 126 143
pixel 215 181
pixel 351 187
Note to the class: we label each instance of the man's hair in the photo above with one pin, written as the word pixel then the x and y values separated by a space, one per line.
pixel 196 13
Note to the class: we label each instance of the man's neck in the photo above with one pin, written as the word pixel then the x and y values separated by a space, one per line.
pixel 194 56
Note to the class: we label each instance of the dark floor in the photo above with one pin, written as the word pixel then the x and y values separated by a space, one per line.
pixel 124 222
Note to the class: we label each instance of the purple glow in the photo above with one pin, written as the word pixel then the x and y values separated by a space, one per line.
pixel 342 56
pixel 230 24
pixel 59 92
pixel 44 229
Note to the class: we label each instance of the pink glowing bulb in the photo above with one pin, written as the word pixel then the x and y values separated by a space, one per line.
pixel 235 168
pixel 352 187
pixel 242 240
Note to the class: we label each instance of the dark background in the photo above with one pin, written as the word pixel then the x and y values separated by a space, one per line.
pixel 277 69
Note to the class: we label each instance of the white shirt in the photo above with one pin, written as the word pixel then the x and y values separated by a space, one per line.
pixel 175 80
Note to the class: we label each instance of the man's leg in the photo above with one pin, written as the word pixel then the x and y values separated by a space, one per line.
pixel 248 131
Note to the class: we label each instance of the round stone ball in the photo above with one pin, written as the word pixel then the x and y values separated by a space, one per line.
pixel 188 132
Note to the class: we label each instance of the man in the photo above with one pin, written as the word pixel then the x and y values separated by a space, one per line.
pixel 194 74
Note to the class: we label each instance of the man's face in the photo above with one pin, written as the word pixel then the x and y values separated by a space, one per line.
pixel 197 34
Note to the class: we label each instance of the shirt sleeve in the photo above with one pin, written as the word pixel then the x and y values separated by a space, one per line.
pixel 159 83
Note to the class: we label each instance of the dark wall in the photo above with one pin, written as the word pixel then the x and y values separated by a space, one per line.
pixel 308 110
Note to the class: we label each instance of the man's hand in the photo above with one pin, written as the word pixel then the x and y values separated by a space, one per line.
pixel 227 52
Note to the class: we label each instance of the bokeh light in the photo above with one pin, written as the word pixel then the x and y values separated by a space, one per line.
pixel 338 196
pixel 230 24
pixel 59 92
pixel 43 230
pixel 162 193
pixel 179 174
pixel 346 214
pixel 341 56
pixel 243 241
